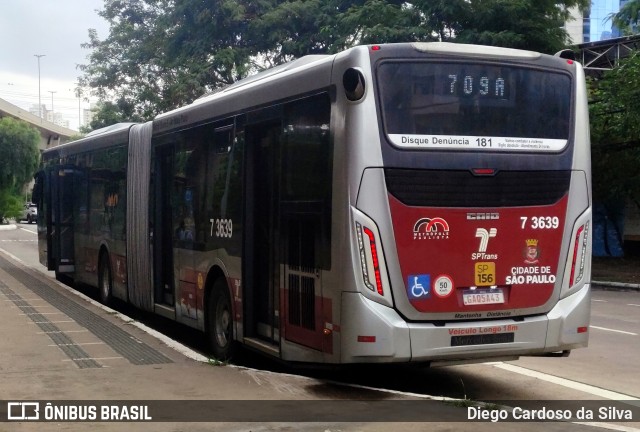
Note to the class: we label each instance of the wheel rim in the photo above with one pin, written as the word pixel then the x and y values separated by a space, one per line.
pixel 222 323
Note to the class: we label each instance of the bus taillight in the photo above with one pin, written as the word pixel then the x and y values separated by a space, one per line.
pixel 483 171
pixel 579 254
pixel 369 250
pixel 370 262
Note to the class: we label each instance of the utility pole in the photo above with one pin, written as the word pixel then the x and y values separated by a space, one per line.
pixel 39 97
pixel 79 95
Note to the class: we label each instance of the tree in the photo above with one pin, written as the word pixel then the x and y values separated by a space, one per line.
pixel 107 113
pixel 284 30
pixel 615 141
pixel 615 132
pixel 628 17
pixel 381 21
pixel 536 25
pixel 161 54
pixel 20 157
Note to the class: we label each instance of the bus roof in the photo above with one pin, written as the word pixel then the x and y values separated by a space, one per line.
pixel 99 138
pixel 300 76
pixel 294 64
pixel 474 50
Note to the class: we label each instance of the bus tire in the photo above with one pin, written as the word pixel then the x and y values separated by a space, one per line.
pixel 104 279
pixel 220 321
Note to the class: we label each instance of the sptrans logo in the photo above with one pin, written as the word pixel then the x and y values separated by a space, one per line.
pixel 484 236
pixel 431 229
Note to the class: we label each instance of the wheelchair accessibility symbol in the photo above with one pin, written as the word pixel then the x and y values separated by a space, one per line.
pixel 419 286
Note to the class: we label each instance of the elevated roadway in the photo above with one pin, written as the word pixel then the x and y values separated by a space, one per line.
pixel 50 133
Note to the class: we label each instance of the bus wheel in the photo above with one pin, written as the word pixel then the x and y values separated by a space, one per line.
pixel 220 321
pixel 104 279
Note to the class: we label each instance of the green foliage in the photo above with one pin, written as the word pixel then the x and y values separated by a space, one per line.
pixel 524 24
pixel 161 54
pixel 20 157
pixel 19 150
pixel 615 132
pixel 11 205
pixel 628 17
pixel 107 113
pixel 284 30
pixel 76 137
pixel 381 21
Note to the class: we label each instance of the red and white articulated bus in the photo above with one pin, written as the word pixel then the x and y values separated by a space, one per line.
pixel 418 202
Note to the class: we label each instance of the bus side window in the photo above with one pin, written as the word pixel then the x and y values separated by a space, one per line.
pixel 184 193
pixel 307 180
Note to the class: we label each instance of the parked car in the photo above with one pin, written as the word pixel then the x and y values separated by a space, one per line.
pixel 30 213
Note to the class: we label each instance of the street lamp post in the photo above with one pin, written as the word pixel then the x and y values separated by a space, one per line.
pixel 79 95
pixel 39 97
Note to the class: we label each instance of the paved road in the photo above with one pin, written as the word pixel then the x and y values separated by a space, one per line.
pixel 100 364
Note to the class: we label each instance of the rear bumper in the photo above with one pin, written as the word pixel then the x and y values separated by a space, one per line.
pixel 375 333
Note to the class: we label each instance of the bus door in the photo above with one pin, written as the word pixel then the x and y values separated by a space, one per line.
pixel 163 226
pixel 62 224
pixel 260 267
pixel 305 221
pixel 42 198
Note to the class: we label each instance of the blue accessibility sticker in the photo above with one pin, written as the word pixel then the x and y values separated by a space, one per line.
pixel 419 286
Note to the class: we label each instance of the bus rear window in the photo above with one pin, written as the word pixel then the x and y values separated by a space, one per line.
pixel 474 106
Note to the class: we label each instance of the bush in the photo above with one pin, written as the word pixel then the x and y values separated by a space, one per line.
pixel 11 206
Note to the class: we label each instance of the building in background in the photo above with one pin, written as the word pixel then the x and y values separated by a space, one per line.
pixel 38 112
pixel 575 26
pixel 595 24
pixel 602 27
pixel 49 115
pixel 87 115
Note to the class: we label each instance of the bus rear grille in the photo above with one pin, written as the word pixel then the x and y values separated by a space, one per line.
pixel 439 188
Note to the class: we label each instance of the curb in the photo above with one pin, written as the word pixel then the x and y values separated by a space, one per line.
pixel 8 227
pixel 632 286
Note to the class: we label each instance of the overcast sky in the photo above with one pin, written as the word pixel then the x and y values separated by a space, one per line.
pixel 55 28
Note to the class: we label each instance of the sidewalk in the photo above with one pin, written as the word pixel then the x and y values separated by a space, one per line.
pixel 63 348
pixel 623 272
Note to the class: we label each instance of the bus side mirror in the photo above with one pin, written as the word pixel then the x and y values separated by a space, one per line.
pixel 566 54
pixel 353 83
